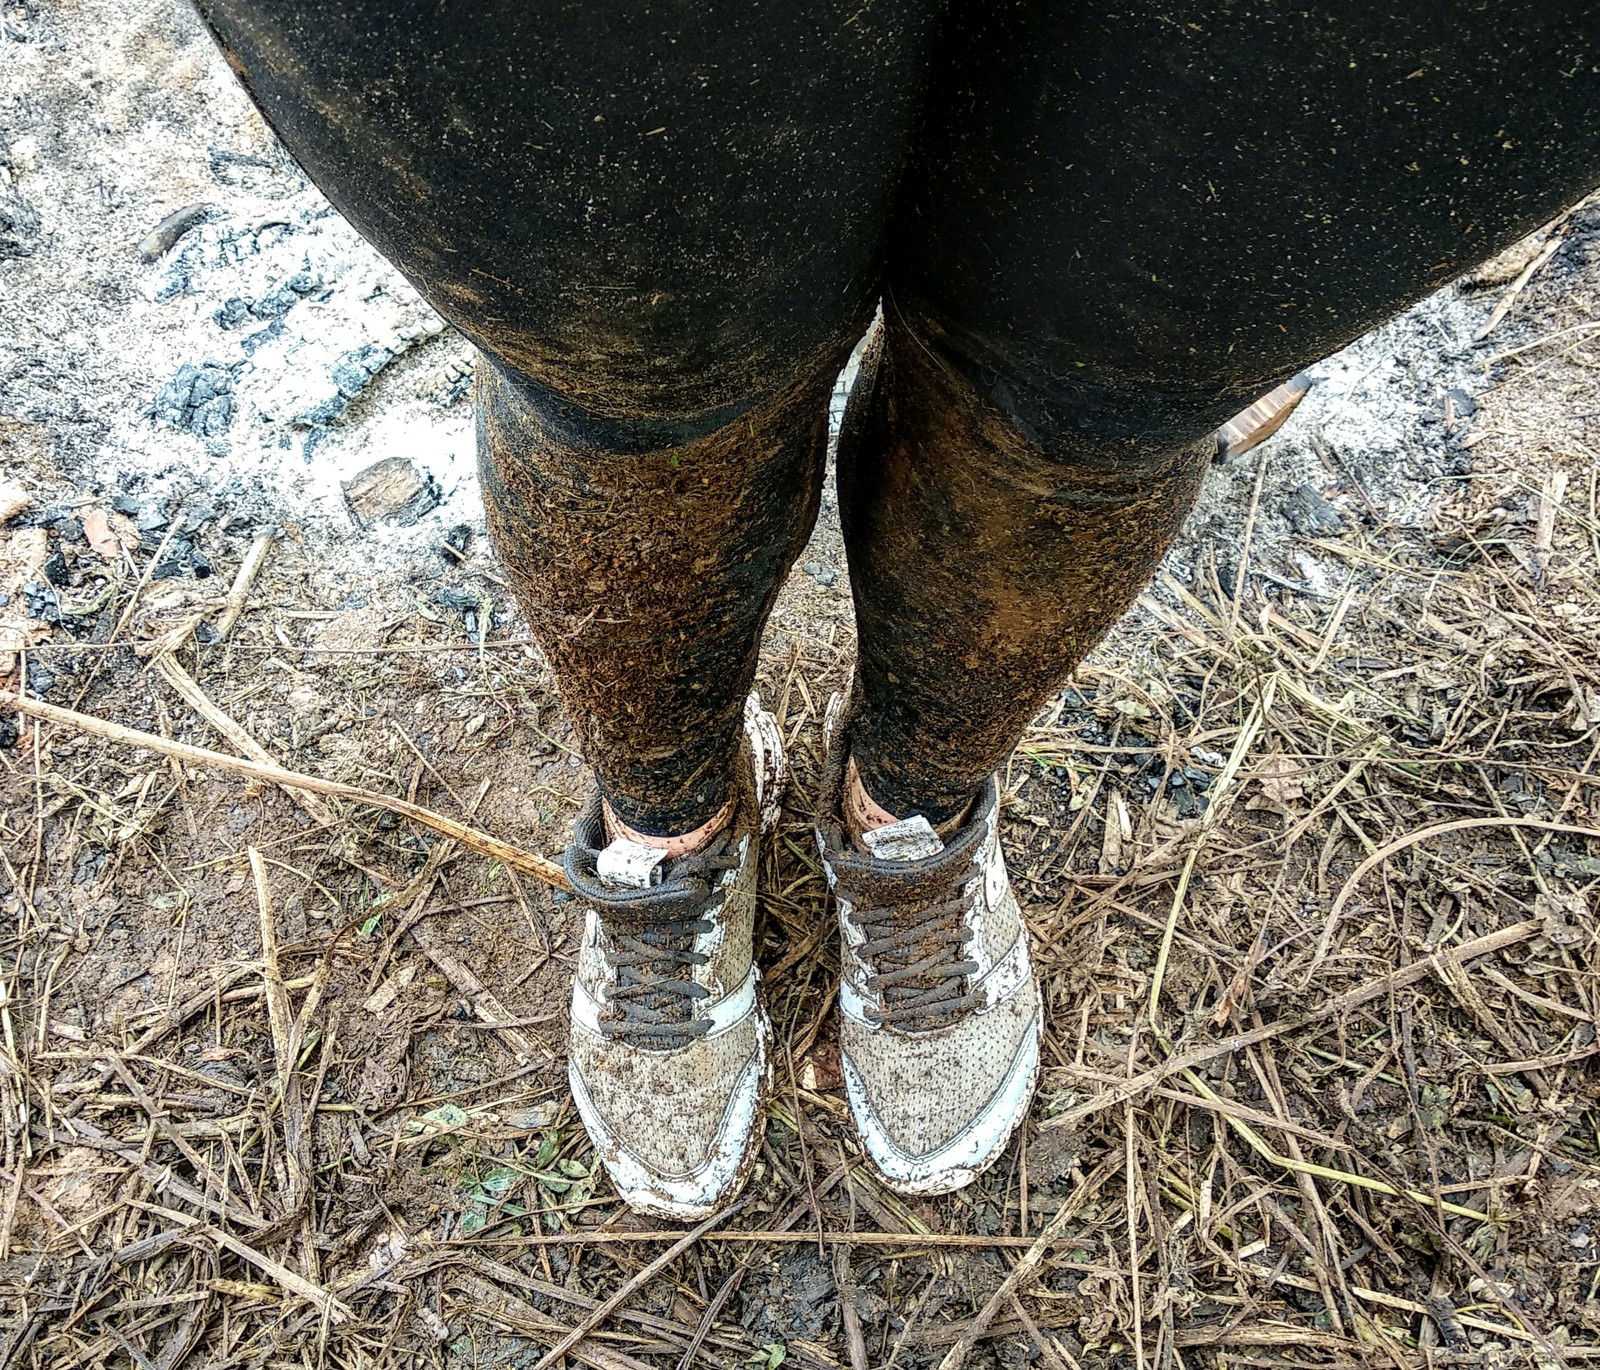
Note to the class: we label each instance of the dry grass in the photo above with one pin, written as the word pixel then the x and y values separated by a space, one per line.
pixel 1311 883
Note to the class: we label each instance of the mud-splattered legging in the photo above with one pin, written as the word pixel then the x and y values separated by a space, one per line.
pixel 1098 230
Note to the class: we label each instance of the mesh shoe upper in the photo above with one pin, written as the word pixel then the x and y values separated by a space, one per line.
pixel 668 1050
pixel 940 1013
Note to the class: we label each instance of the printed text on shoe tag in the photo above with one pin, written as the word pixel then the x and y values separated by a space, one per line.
pixel 630 865
pixel 911 839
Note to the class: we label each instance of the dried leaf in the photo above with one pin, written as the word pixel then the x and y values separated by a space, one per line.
pixel 1276 776
pixel 1564 915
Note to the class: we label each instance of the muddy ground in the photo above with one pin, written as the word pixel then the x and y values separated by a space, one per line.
pixel 1339 763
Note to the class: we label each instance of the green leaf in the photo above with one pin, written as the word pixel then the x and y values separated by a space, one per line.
pixel 547 1151
pixel 472 1222
pixel 446 1115
pixel 576 1169
pixel 499 1180
pixel 369 925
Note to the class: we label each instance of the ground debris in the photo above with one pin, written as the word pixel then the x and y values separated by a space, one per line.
pixel 393 490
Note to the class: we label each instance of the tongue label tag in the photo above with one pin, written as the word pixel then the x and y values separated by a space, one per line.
pixel 911 839
pixel 630 865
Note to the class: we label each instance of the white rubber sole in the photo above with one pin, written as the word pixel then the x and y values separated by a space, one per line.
pixel 702 1191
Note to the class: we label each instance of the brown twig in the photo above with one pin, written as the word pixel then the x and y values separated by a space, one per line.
pixel 481 842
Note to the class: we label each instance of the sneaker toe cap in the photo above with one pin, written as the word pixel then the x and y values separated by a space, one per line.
pixel 935 1109
pixel 673 1127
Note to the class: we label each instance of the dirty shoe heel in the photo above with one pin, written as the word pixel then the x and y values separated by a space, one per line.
pixel 669 1056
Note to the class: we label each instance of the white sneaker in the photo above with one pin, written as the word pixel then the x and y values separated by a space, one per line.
pixel 668 1054
pixel 940 1015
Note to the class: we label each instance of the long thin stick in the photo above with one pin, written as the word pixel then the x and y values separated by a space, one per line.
pixel 910 1241
pixel 249 568
pixel 525 862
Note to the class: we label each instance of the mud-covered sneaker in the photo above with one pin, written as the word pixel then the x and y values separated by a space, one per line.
pixel 940 1018
pixel 668 1054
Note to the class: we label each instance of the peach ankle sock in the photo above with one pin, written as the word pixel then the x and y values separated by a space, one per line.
pixel 863 813
pixel 681 844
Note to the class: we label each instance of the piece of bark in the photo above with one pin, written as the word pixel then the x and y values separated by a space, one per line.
pixel 391 491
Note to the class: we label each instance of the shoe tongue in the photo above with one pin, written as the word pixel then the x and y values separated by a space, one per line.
pixel 911 839
pixel 630 865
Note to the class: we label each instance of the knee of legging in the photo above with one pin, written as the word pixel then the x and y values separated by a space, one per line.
pixel 1043 412
pixel 627 391
pixel 545 460
pixel 535 441
pixel 601 420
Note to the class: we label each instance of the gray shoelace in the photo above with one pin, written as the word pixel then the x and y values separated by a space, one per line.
pixel 917 949
pixel 652 1003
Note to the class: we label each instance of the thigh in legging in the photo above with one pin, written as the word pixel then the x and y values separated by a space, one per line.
pixel 1121 224
pixel 663 227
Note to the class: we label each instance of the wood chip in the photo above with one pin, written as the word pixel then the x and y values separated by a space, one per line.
pixel 389 990
pixel 97 529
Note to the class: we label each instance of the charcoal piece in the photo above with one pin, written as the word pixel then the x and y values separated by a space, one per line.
pixel 353 372
pixel 56 569
pixel 150 517
pixel 41 602
pixel 174 561
pixel 198 400
pixel 1309 514
pixel 125 504
pixel 60 521
pixel 458 540
pixel 237 311
pixel 460 601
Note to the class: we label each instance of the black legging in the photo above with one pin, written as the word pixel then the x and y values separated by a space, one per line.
pixel 1098 231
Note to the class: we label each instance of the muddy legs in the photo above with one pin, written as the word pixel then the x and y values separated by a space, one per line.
pixel 985 564
pixel 647 564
